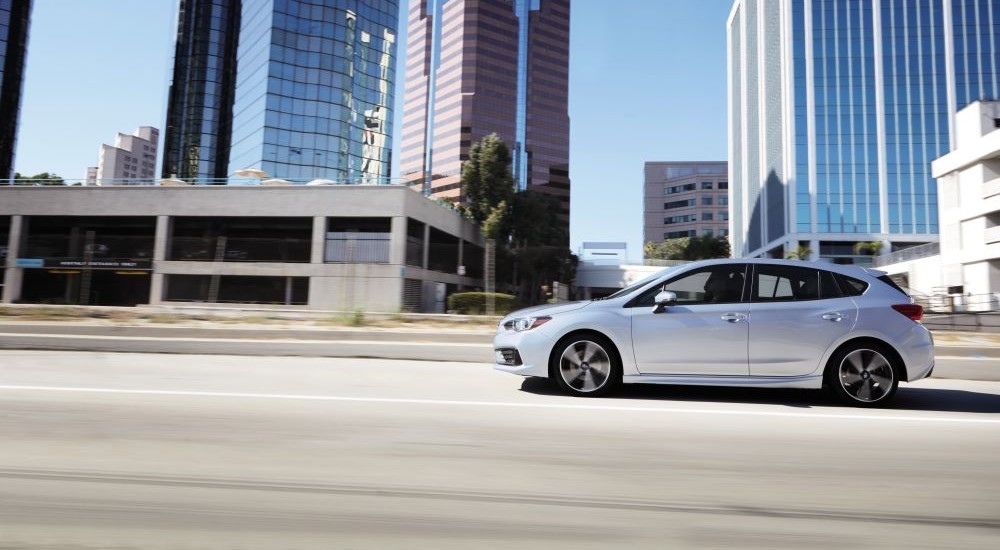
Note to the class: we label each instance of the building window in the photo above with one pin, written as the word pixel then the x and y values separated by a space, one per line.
pixel 678 204
pixel 724 216
pixel 683 218
pixel 706 185
pixel 723 201
pixel 237 289
pixel 706 216
pixel 678 189
pixel 706 201
pixel 723 185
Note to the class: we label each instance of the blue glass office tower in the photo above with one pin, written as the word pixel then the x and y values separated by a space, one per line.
pixel 14 20
pixel 314 89
pixel 299 89
pixel 836 110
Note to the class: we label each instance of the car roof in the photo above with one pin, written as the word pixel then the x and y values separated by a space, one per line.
pixel 846 269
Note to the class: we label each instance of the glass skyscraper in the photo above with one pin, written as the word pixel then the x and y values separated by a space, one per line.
pixel 14 20
pixel 304 92
pixel 836 110
pixel 199 116
pixel 481 67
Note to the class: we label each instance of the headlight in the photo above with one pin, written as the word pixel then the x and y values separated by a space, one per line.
pixel 522 324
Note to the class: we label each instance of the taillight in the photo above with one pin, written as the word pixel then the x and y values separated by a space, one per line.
pixel 914 311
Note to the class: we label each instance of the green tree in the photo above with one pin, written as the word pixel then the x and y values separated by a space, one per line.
pixel 538 242
pixel 488 186
pixel 669 249
pixel 536 266
pixel 44 178
pixel 688 248
pixel 534 221
pixel 531 243
pixel 868 247
pixel 496 226
pixel 706 247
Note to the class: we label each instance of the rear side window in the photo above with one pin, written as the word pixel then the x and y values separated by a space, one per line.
pixel 850 286
pixel 887 280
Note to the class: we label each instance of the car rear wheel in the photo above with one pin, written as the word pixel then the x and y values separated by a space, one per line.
pixel 586 365
pixel 863 375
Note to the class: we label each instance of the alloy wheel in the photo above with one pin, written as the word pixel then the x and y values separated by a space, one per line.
pixel 866 376
pixel 585 366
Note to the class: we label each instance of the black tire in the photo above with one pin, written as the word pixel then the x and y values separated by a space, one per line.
pixel 586 365
pixel 863 374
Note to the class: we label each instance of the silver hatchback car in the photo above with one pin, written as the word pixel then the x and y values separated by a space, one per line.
pixel 731 322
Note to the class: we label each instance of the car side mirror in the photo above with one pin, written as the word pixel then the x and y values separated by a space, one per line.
pixel 663 300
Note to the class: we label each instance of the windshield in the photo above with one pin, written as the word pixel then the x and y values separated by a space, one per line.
pixel 638 284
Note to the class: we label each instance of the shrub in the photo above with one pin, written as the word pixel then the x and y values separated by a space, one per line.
pixel 474 303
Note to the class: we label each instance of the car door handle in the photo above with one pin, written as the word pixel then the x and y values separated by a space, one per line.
pixel 734 317
pixel 834 316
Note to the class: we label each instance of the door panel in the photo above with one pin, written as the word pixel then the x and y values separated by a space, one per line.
pixel 705 333
pixel 796 315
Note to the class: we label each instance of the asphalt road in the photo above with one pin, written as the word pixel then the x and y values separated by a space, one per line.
pixel 122 450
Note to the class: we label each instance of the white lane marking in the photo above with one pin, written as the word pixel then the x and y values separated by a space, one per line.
pixel 460 403
pixel 242 340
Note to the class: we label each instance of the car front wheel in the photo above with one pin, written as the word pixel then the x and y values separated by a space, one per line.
pixel 586 365
pixel 863 375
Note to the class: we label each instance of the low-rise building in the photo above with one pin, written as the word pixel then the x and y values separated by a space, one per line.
pixel 379 248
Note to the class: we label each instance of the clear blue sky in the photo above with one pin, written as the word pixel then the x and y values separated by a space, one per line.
pixel 647 83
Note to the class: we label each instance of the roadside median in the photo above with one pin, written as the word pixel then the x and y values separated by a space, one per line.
pixel 973 355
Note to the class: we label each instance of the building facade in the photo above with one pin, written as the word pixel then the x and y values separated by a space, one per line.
pixel 200 103
pixel 15 17
pixel 477 67
pixel 130 161
pixel 294 89
pixel 969 189
pixel 962 272
pixel 373 248
pixel 685 199
pixel 836 110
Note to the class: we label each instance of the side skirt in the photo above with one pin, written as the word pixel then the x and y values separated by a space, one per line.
pixel 809 382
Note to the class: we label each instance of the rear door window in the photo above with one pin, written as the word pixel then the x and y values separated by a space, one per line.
pixel 781 283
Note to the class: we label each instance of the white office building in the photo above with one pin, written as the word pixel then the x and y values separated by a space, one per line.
pixel 967 270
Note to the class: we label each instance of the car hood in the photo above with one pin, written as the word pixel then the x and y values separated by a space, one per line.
pixel 547 309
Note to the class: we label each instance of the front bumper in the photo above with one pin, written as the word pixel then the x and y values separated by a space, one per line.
pixel 522 353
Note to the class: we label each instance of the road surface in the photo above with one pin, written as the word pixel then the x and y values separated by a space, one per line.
pixel 123 450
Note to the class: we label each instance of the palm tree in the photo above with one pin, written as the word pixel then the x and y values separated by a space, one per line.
pixel 803 252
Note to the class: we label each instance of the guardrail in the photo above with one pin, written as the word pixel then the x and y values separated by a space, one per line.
pixel 907 254
pixel 966 322
pixel 960 303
